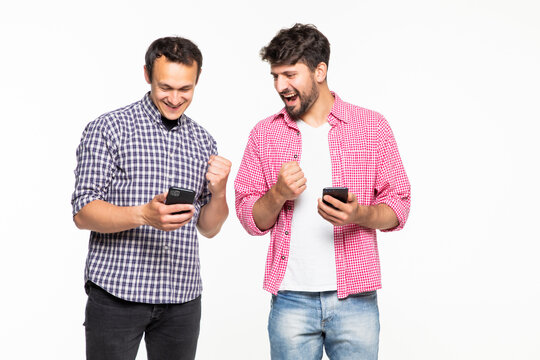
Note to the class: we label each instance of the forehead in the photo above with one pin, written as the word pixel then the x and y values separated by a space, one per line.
pixel 280 69
pixel 169 71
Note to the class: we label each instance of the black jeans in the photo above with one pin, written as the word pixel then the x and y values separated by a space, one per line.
pixel 114 328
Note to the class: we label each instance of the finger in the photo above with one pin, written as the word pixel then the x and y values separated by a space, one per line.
pixel 161 197
pixel 173 208
pixel 218 169
pixel 332 200
pixel 221 160
pixel 334 213
pixel 351 198
pixel 296 177
pixel 179 220
pixel 326 216
pixel 301 182
pixel 292 166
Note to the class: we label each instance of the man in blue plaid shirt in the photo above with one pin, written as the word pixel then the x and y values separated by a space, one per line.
pixel 142 272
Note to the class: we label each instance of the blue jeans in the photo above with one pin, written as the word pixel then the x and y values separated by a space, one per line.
pixel 302 323
pixel 114 328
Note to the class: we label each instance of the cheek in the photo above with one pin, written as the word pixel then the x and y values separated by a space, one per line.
pixel 188 96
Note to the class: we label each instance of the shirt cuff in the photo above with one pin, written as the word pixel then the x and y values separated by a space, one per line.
pixel 245 214
pixel 400 208
pixel 82 201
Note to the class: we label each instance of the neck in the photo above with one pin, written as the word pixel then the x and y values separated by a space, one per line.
pixel 319 111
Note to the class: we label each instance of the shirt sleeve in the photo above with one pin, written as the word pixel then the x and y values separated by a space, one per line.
pixel 250 186
pixel 95 164
pixel 392 185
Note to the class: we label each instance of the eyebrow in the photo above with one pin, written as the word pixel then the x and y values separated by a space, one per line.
pixel 287 72
pixel 167 86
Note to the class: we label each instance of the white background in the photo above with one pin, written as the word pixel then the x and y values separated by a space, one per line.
pixel 459 82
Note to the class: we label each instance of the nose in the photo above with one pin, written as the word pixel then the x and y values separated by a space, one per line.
pixel 281 83
pixel 175 98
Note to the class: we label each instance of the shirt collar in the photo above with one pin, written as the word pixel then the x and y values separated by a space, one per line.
pixel 153 113
pixel 337 113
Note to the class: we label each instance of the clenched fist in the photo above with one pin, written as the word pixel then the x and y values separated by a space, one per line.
pixel 217 174
pixel 291 181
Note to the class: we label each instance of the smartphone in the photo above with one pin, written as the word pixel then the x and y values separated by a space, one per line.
pixel 177 195
pixel 340 193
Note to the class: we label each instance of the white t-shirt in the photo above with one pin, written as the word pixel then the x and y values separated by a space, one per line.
pixel 312 265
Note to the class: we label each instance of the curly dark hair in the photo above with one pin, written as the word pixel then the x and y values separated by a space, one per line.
pixel 300 43
pixel 175 49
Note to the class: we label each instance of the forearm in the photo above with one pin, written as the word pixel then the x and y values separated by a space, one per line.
pixel 380 217
pixel 266 210
pixel 103 217
pixel 212 216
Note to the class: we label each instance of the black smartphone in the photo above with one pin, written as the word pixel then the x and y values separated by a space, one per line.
pixel 177 195
pixel 340 193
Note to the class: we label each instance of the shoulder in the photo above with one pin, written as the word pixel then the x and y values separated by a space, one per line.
pixel 360 116
pixel 200 133
pixel 364 120
pixel 364 126
pixel 272 124
pixel 115 123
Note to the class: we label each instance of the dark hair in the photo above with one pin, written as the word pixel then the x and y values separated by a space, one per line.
pixel 175 49
pixel 301 43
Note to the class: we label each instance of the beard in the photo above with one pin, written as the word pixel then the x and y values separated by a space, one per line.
pixel 306 100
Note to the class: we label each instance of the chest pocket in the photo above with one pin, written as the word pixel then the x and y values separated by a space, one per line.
pixel 191 173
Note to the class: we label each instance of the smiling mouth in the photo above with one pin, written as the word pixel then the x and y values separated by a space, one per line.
pixel 174 107
pixel 289 98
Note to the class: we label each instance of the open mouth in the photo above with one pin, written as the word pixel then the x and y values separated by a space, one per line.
pixel 289 98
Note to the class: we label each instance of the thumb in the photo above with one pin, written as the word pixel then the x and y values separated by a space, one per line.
pixel 161 197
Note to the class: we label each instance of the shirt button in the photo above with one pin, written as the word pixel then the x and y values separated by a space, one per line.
pixel 298 133
pixel 283 258
pixel 295 156
pixel 286 233
pixel 166 247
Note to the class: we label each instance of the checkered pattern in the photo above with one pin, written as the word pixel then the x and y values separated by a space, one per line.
pixel 126 157
pixel 364 158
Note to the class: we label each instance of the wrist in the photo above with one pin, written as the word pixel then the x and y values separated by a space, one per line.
pixel 278 199
pixel 362 215
pixel 139 215
pixel 219 195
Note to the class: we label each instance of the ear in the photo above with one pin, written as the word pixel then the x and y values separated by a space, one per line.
pixel 320 72
pixel 146 75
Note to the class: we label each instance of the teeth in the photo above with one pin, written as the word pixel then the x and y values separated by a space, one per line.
pixel 289 95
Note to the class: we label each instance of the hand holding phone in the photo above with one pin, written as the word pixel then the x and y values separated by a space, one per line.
pixel 340 193
pixel 177 195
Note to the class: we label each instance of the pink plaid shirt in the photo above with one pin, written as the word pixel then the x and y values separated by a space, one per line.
pixel 364 158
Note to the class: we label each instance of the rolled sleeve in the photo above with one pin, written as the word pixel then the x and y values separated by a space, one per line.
pixel 95 164
pixel 392 185
pixel 249 187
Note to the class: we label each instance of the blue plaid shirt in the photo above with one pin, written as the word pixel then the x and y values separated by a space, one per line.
pixel 126 157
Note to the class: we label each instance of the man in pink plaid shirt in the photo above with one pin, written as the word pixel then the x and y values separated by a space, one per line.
pixel 323 265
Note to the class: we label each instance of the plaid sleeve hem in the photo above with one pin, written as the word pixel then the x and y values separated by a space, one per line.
pixel 401 211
